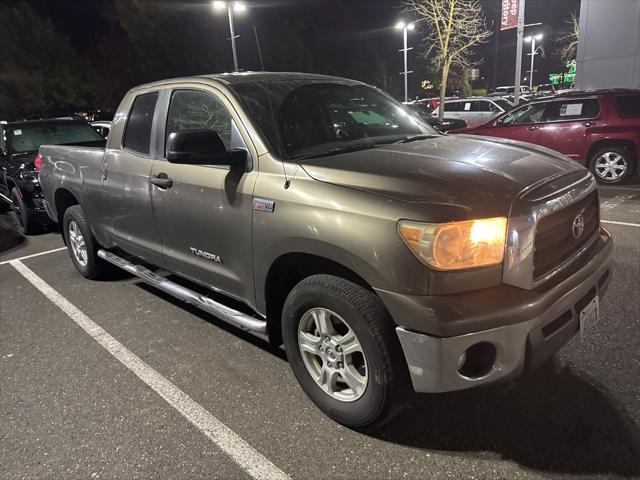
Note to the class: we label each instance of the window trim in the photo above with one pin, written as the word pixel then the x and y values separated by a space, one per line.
pixel 152 146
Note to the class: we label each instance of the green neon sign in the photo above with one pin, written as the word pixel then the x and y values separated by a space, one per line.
pixel 568 77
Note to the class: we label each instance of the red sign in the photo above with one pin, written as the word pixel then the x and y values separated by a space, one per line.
pixel 509 15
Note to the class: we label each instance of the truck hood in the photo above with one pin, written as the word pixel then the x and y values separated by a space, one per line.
pixel 480 175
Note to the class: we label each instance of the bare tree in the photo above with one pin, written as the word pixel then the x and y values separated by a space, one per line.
pixel 454 27
pixel 568 40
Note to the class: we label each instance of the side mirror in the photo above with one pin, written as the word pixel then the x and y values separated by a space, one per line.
pixel 202 147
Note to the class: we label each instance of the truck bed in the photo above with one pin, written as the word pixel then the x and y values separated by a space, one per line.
pixel 76 168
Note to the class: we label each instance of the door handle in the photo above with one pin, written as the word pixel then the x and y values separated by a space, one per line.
pixel 162 181
pixel 533 127
pixel 589 124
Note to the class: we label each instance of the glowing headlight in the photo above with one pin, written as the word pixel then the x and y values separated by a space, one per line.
pixel 456 245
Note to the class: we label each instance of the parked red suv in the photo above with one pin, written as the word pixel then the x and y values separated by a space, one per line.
pixel 600 129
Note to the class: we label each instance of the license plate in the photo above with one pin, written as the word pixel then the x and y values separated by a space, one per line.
pixel 589 316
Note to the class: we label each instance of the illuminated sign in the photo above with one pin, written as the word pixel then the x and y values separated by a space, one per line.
pixel 567 77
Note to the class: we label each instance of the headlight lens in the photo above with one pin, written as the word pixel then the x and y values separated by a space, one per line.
pixel 456 245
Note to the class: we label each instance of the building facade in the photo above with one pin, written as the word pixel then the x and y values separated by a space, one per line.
pixel 609 44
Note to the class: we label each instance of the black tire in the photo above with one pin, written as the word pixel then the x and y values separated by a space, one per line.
pixel 94 266
pixel 613 150
pixel 24 219
pixel 388 387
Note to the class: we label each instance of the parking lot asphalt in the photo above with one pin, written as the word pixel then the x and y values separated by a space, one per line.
pixel 77 402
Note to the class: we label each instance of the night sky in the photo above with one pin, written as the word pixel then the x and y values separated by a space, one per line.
pixel 82 21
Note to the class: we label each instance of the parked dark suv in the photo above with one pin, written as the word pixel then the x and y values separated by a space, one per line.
pixel 19 144
pixel 600 129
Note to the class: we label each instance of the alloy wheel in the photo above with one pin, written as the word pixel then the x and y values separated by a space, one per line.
pixel 611 166
pixel 78 246
pixel 332 354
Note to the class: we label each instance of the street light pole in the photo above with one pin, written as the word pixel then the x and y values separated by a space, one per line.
pixel 405 33
pixel 532 39
pixel 516 93
pixel 231 7
pixel 233 37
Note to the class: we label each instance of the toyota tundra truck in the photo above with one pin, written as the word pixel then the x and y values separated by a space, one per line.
pixel 321 213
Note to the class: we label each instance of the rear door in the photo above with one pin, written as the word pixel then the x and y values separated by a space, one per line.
pixel 451 110
pixel 486 111
pixel 205 216
pixel 566 123
pixel 126 188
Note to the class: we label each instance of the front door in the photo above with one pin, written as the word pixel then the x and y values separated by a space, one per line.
pixel 523 124
pixel 125 184
pixel 205 216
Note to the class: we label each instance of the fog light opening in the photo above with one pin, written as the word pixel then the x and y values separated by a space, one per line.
pixel 477 360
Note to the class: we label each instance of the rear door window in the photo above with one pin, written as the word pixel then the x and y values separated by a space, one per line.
pixel 629 106
pixel 137 136
pixel 572 110
pixel 453 106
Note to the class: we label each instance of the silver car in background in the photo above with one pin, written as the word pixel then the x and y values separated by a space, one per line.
pixel 474 110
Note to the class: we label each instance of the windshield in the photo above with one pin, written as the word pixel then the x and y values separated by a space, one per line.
pixel 29 138
pixel 303 118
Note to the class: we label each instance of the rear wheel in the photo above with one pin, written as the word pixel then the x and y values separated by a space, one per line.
pixel 611 164
pixel 343 349
pixel 82 245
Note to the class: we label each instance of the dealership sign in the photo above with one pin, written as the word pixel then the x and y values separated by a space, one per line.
pixel 509 15
pixel 566 77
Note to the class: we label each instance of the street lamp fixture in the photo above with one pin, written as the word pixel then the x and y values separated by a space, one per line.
pixel 231 7
pixel 532 39
pixel 406 27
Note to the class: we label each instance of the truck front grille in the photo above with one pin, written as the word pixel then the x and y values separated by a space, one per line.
pixel 554 240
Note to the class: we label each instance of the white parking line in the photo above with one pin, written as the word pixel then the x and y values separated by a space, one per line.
pixel 247 458
pixel 626 224
pixel 34 255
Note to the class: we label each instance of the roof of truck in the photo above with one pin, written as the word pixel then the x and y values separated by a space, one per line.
pixel 245 77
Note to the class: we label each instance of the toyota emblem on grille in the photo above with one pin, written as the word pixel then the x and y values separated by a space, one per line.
pixel 577 229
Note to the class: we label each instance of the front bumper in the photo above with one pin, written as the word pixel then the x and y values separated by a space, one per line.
pixel 433 361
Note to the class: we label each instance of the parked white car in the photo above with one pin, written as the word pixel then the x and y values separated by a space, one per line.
pixel 474 110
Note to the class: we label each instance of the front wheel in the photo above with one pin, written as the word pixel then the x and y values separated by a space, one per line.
pixel 344 351
pixel 611 164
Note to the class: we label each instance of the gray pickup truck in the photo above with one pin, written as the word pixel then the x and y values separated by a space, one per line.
pixel 321 213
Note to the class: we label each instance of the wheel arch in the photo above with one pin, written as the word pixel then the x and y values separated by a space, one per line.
pixel 63 199
pixel 289 269
pixel 627 145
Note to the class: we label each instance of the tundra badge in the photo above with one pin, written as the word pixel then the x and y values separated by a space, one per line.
pixel 209 256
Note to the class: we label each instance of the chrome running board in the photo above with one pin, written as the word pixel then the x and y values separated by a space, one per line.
pixel 223 312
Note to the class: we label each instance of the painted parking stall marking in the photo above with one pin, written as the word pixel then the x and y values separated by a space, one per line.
pixel 33 255
pixel 247 458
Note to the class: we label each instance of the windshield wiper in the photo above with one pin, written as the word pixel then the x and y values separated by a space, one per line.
pixel 413 138
pixel 335 151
